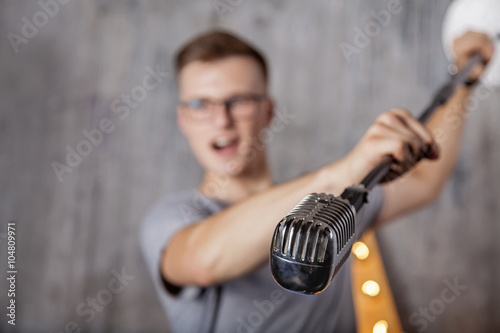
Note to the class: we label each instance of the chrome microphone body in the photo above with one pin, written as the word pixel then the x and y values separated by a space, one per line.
pixel 313 241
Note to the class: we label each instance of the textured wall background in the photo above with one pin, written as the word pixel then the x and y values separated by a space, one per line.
pixel 65 77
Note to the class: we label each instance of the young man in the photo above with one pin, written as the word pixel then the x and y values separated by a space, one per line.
pixel 208 249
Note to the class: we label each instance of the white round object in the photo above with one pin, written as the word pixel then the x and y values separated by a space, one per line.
pixel 474 15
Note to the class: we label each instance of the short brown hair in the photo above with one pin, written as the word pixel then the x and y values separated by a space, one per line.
pixel 217 45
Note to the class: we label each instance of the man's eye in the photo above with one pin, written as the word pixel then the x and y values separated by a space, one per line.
pixel 197 104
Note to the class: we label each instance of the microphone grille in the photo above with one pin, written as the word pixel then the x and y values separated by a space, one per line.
pixel 305 232
pixel 312 242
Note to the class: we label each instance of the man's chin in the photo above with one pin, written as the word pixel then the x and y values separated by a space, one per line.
pixel 230 168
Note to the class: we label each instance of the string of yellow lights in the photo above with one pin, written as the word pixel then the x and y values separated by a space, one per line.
pixel 373 300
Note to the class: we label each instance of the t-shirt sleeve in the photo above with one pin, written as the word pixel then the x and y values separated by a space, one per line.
pixel 163 221
pixel 370 211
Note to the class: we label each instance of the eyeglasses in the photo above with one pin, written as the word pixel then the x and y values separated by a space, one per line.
pixel 241 107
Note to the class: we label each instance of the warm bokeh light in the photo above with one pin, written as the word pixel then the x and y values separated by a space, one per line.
pixel 380 327
pixel 360 250
pixel 370 288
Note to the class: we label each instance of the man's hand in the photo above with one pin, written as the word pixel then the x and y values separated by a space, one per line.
pixel 424 182
pixel 395 133
pixel 470 43
pixel 398 134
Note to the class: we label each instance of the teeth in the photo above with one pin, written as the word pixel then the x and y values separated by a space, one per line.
pixel 223 142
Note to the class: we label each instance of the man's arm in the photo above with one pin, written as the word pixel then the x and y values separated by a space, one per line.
pixel 237 240
pixel 424 183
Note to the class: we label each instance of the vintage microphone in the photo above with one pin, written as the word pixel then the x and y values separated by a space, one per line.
pixel 312 242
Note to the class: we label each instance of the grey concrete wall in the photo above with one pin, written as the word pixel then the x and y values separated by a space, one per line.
pixel 64 78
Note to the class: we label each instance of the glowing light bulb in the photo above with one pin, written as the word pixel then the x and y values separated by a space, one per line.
pixel 360 250
pixel 380 327
pixel 370 288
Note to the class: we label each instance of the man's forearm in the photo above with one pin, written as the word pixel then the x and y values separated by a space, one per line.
pixel 447 126
pixel 237 240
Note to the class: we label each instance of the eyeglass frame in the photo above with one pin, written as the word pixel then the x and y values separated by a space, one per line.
pixel 227 103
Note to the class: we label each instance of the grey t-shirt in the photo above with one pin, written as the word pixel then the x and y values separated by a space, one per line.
pixel 251 303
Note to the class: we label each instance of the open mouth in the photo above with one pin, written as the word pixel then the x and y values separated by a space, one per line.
pixel 225 145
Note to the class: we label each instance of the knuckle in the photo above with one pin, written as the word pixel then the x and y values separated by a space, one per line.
pixel 376 129
pixel 388 117
pixel 401 111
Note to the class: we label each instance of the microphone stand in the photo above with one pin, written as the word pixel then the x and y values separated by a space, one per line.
pixel 357 194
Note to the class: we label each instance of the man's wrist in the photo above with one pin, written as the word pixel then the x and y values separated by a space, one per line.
pixel 465 90
pixel 335 177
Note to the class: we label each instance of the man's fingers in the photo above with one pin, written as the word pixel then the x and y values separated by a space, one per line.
pixel 470 43
pixel 398 133
pixel 414 125
pixel 392 145
pixel 409 129
pixel 430 148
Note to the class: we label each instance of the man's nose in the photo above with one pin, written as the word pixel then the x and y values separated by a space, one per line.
pixel 223 116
